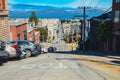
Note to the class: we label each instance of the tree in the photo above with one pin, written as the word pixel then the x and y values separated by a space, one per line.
pixel 33 18
pixel 104 31
pixel 53 37
pixel 57 31
pixel 43 33
pixel 67 38
pixel 77 38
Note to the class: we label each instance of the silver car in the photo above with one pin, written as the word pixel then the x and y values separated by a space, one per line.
pixel 26 45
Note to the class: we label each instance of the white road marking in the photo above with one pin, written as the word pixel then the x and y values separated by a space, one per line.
pixel 74 65
pixel 61 66
pixel 28 66
pixel 52 65
pixel 45 65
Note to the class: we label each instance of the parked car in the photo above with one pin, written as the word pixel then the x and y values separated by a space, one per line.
pixel 14 51
pixel 3 53
pixel 52 49
pixel 28 46
pixel 38 46
pixel 44 50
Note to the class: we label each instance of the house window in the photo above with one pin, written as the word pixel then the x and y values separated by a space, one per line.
pixel 25 35
pixel 18 36
pixel 117 1
pixel 117 16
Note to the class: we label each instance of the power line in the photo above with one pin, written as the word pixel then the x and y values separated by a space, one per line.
pixel 107 10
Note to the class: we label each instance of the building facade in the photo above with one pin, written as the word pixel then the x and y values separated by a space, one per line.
pixel 53 26
pixel 66 28
pixel 116 30
pixel 116 20
pixel 94 44
pixel 18 31
pixel 32 35
pixel 4 28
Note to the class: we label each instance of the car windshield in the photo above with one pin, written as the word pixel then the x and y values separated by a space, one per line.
pixel 60 39
pixel 11 43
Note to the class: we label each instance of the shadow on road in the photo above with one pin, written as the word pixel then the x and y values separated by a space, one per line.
pixel 91 53
pixel 115 56
pixel 1 63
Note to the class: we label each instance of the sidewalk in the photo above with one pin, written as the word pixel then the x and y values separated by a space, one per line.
pixel 109 60
pixel 105 64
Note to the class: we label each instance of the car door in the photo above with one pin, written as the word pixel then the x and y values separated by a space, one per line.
pixel 21 44
pixel 27 45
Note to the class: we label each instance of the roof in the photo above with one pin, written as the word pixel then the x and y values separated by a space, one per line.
pixel 103 16
pixel 13 23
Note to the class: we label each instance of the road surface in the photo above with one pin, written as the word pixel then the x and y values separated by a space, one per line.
pixel 51 66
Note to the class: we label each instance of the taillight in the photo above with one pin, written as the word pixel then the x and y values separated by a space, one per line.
pixel 15 46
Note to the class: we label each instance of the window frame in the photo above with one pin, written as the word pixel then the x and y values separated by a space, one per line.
pixel 117 1
pixel 117 16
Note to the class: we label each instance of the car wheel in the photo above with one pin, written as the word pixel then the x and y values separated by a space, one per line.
pixel 28 53
pixel 21 56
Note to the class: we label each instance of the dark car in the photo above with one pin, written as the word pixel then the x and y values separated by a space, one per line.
pixel 38 46
pixel 3 53
pixel 28 46
pixel 52 49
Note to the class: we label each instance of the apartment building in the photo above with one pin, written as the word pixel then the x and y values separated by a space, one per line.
pixel 116 20
pixel 66 28
pixel 20 30
pixel 4 28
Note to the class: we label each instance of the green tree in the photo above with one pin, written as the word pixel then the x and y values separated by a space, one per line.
pixel 43 33
pixel 104 31
pixel 67 38
pixel 57 31
pixel 77 38
pixel 33 18
pixel 53 37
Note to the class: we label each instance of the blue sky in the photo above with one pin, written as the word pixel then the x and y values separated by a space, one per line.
pixel 66 3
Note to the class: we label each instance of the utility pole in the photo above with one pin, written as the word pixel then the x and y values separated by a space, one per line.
pixel 84 20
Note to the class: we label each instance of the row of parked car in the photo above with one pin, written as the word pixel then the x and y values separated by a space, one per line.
pixel 21 49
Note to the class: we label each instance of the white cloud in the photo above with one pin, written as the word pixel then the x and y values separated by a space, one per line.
pixel 81 3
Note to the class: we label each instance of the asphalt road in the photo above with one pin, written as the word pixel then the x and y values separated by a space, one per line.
pixel 51 66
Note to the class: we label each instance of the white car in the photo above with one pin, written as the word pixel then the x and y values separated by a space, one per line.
pixel 44 50
pixel 14 51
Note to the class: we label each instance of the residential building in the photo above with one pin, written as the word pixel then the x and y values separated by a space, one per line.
pixel 53 26
pixel 32 35
pixel 4 28
pixel 116 30
pixel 94 24
pixel 75 29
pixel 20 30
pixel 73 26
pixel 66 28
